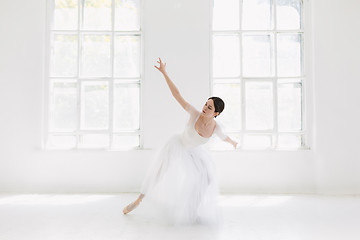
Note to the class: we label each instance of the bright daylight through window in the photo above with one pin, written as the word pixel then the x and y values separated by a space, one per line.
pixel 94 74
pixel 258 69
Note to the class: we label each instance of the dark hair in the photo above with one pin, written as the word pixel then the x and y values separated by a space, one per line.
pixel 218 103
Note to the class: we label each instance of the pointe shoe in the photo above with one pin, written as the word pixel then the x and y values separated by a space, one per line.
pixel 131 207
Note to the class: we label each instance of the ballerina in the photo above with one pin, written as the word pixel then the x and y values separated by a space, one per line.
pixel 182 177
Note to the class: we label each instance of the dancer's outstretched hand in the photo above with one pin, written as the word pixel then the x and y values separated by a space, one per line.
pixel 162 66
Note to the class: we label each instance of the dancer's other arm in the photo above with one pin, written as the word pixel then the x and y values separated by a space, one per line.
pixel 174 91
pixel 232 142
pixel 223 136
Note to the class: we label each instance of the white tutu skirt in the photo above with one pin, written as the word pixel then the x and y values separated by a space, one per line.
pixel 181 182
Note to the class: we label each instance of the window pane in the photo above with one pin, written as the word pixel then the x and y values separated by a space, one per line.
pixel 257 55
pixel 94 105
pixel 226 56
pixel 226 15
pixel 288 14
pixel 125 142
pixel 94 141
pixel 66 15
pixel 61 141
pixel 289 106
pixel 257 141
pixel 126 106
pixel 63 106
pixel 94 70
pixel 289 141
pixel 257 15
pixel 127 56
pixel 271 48
pixel 231 116
pixel 95 56
pixel 127 16
pixel 289 55
pixel 259 106
pixel 64 55
pixel 97 14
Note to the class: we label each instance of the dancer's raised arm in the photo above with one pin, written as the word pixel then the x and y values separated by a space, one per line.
pixel 175 92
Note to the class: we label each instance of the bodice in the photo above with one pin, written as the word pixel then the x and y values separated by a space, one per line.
pixel 190 137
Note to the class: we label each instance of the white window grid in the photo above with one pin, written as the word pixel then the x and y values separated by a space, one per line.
pixel 274 133
pixel 110 80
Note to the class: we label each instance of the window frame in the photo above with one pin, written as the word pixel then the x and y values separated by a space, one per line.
pixel 306 77
pixel 47 81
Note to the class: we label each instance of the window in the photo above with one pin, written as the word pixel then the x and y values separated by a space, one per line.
pixel 93 80
pixel 258 69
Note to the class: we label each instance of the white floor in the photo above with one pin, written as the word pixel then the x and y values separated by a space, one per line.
pixel 248 217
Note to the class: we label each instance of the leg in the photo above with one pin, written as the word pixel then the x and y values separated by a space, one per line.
pixel 134 204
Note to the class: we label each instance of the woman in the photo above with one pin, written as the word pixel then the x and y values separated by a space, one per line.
pixel 182 177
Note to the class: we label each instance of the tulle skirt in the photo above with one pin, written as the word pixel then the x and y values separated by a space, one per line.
pixel 181 182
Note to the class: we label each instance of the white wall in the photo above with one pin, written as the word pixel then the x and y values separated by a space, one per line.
pixel 337 84
pixel 178 31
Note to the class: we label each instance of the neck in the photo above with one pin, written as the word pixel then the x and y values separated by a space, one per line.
pixel 205 120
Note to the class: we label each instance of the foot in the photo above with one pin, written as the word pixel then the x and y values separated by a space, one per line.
pixel 131 206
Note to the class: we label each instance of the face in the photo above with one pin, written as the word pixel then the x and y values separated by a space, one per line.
pixel 209 109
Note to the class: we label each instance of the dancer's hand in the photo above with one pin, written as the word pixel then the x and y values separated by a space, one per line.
pixel 232 142
pixel 162 66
